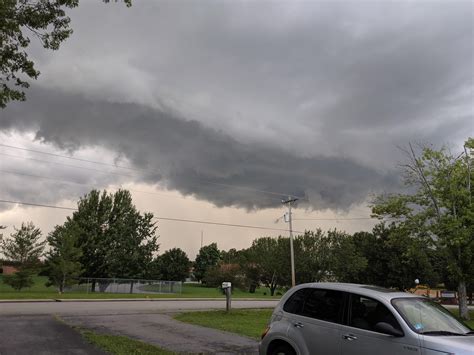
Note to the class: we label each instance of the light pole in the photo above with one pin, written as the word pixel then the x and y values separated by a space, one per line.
pixel 292 253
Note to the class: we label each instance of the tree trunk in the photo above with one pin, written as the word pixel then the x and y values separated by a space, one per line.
pixel 131 286
pixel 462 296
pixel 272 289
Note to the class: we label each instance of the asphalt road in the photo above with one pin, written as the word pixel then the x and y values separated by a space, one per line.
pixel 41 335
pixel 122 307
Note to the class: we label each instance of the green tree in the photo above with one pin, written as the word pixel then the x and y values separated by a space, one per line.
pixel 20 20
pixel 439 207
pixel 174 265
pixel 207 257
pixel 222 272
pixel 63 265
pixel 24 248
pixel 24 245
pixel 345 261
pixel 271 257
pixel 312 257
pixel 23 278
pixel 115 239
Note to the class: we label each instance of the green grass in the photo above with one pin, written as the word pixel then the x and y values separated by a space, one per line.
pixel 246 322
pixel 121 345
pixel 40 291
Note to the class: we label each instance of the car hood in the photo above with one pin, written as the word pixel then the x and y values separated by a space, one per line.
pixel 456 344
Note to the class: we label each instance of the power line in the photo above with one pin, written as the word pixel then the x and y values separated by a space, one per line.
pixel 68 165
pixel 38 205
pixel 331 219
pixel 82 184
pixel 222 224
pixel 172 196
pixel 159 218
pixel 135 169
pixel 68 157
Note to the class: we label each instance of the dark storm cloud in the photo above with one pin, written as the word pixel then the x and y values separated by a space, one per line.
pixel 305 98
pixel 190 157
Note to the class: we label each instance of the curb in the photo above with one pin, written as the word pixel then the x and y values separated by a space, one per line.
pixel 130 300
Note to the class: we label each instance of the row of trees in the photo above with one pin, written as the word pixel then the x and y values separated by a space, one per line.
pixel 386 256
pixel 107 237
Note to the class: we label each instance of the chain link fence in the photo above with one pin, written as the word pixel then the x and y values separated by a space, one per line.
pixel 115 285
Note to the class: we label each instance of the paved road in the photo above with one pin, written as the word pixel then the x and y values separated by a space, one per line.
pixel 122 307
pixel 41 335
pixel 164 331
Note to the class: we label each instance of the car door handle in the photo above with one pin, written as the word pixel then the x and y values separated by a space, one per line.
pixel 349 337
pixel 298 325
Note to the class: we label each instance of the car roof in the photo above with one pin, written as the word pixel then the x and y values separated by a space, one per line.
pixel 364 290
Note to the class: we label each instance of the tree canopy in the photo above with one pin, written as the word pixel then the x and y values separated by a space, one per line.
pixel 116 240
pixel 20 21
pixel 439 209
pixel 207 257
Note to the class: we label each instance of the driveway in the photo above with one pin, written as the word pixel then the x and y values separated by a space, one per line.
pixel 41 335
pixel 164 331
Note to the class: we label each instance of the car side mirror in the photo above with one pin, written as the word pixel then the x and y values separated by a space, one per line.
pixel 388 329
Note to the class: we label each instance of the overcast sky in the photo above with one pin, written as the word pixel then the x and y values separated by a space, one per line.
pixel 214 102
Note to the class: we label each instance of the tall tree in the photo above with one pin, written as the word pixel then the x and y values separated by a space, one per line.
pixel 20 20
pixel 24 248
pixel 271 256
pixel 345 261
pixel 207 257
pixel 116 240
pixel 440 207
pixel 174 265
pixel 63 264
pixel 312 257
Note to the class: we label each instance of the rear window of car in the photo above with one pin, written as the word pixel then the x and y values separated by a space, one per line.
pixel 315 303
pixel 295 303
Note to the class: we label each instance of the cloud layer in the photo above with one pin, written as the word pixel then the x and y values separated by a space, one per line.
pixel 300 98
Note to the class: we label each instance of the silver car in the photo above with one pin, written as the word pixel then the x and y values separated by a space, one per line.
pixel 337 318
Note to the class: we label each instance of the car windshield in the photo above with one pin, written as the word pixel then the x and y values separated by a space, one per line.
pixel 429 318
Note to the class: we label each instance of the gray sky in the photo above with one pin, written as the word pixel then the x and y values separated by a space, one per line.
pixel 303 98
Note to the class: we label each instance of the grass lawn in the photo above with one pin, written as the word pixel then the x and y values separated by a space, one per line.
pixel 120 345
pixel 246 322
pixel 40 291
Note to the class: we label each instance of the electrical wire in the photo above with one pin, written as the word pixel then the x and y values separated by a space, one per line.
pixel 156 217
pixel 135 169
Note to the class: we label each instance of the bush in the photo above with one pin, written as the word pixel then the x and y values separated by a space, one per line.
pixel 216 275
pixel 19 280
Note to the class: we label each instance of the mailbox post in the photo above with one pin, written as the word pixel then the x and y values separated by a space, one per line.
pixel 227 287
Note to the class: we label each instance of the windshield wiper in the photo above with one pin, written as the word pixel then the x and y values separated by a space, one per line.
pixel 442 332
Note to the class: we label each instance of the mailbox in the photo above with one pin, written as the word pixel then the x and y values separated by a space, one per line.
pixel 226 285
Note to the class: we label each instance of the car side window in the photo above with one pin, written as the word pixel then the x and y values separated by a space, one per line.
pixel 296 301
pixel 324 305
pixel 366 312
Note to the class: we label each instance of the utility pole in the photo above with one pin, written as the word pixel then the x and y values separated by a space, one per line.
pixel 202 237
pixel 292 253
